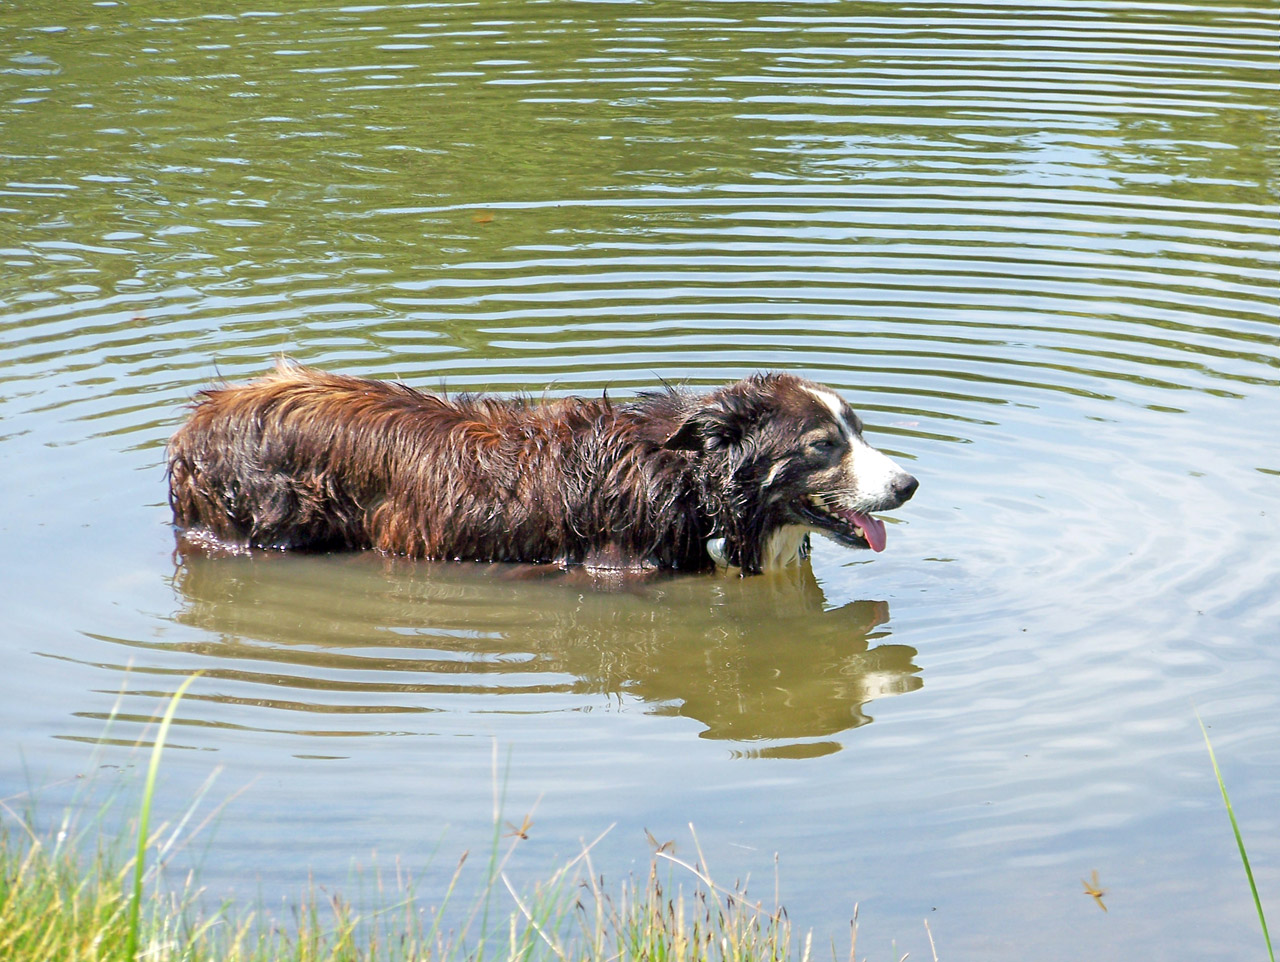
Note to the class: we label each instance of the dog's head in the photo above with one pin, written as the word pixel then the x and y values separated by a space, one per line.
pixel 793 457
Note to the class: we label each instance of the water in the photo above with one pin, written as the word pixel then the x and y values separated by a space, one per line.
pixel 1034 247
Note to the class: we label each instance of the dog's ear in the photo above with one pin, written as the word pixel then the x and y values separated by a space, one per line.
pixel 687 437
pixel 721 422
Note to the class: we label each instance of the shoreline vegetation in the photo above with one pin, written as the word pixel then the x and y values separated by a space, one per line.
pixel 59 903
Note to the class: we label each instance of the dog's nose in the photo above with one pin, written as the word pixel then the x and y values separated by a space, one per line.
pixel 904 486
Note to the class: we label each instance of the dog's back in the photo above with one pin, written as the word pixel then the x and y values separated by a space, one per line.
pixel 303 459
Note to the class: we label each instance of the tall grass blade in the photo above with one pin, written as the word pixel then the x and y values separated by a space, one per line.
pixel 1235 827
pixel 144 817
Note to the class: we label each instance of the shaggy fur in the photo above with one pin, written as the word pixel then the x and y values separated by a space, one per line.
pixel 303 459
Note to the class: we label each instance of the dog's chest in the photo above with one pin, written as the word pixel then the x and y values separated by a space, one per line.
pixel 786 546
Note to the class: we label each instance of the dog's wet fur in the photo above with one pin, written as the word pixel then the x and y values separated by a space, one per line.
pixel 306 460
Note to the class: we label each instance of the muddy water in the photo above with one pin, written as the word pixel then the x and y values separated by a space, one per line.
pixel 1035 247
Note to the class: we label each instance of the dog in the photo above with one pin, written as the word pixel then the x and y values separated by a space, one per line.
pixel 738 478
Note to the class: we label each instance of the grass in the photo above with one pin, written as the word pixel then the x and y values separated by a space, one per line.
pixel 144 820
pixel 1235 828
pixel 56 904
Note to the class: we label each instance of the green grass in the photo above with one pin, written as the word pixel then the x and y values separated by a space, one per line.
pixel 144 820
pixel 57 906
pixel 56 903
pixel 1235 828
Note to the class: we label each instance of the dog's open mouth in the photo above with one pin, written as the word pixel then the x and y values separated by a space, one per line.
pixel 853 528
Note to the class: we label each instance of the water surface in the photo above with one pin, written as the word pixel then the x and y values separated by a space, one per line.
pixel 1034 247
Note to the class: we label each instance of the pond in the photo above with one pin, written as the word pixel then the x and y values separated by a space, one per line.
pixel 1034 245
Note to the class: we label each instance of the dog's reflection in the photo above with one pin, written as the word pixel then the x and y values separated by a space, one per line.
pixel 754 660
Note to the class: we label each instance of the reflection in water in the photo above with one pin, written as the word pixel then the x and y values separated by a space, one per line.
pixel 752 659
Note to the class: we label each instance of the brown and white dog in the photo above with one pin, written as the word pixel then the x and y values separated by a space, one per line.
pixel 738 478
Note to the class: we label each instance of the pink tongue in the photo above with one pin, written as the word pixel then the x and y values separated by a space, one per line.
pixel 872 528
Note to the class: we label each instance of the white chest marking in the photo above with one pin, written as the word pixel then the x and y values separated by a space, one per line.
pixel 783 547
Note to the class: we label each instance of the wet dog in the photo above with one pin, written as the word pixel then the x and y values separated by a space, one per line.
pixel 737 478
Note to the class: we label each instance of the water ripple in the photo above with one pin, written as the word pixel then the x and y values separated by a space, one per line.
pixel 1034 246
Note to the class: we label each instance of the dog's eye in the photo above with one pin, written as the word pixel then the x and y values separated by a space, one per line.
pixel 824 445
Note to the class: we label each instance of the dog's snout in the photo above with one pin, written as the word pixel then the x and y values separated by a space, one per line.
pixel 903 487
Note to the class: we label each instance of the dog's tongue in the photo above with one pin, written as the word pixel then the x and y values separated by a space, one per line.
pixel 872 528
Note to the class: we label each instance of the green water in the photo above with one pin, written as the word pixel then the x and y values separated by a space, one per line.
pixel 1035 246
